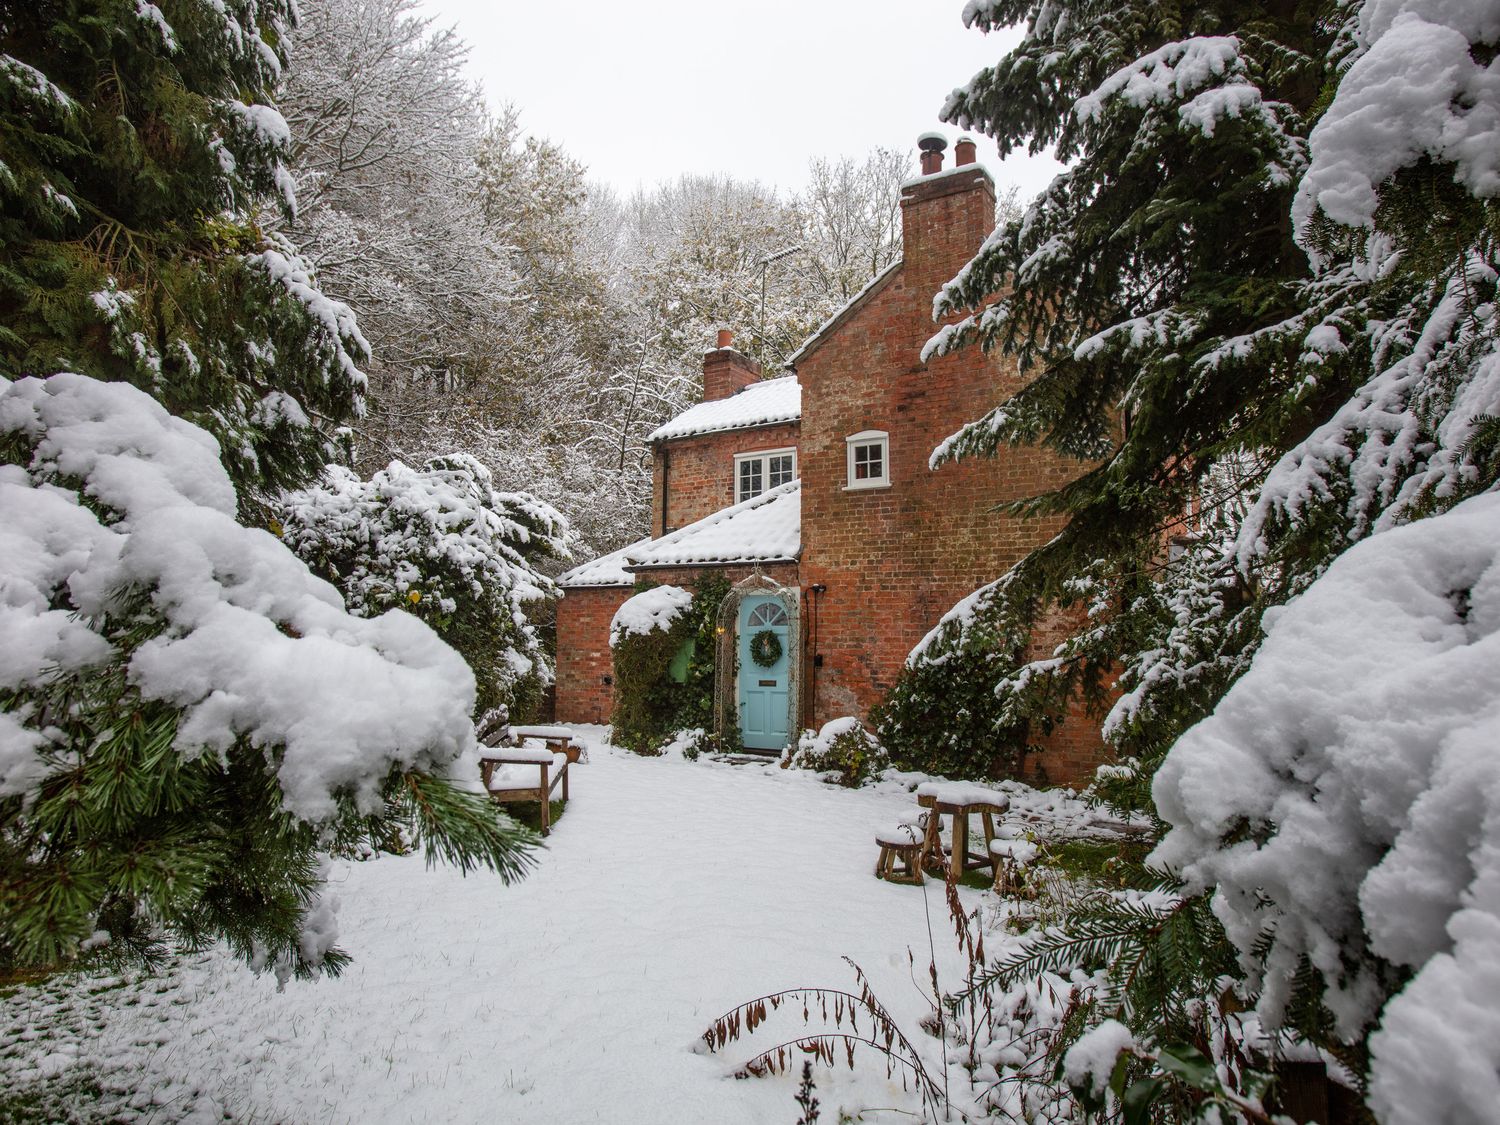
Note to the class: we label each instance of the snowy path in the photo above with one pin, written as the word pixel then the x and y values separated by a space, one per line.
pixel 670 892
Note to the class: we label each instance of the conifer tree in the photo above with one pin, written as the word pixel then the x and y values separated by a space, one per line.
pixel 142 158
pixel 1152 294
pixel 190 722
pixel 1260 307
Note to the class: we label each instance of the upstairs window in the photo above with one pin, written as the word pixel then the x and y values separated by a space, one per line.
pixel 754 473
pixel 869 458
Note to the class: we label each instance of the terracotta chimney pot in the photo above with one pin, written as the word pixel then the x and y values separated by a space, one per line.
pixel 726 338
pixel 932 146
pixel 964 151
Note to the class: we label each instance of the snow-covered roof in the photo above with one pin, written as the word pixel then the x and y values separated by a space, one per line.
pixel 759 404
pixel 606 570
pixel 765 528
pixel 837 318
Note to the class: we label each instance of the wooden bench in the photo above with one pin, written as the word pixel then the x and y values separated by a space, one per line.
pixel 527 773
pixel 558 739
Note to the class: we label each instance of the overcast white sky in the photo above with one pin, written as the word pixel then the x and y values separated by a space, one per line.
pixel 648 90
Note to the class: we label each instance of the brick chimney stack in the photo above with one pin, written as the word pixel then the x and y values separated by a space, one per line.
pixel 725 370
pixel 945 215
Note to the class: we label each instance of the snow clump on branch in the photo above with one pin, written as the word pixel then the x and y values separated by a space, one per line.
pixel 118 500
pixel 1344 798
pixel 648 611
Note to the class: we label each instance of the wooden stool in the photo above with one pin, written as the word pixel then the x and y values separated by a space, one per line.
pixel 901 852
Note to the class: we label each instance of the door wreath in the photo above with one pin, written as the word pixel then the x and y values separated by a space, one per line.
pixel 765 648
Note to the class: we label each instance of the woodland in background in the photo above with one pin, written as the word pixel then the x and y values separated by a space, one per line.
pixel 519 312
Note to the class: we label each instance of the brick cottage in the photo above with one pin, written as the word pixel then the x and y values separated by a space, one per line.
pixel 811 493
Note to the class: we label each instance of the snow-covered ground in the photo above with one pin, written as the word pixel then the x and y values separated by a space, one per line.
pixel 670 892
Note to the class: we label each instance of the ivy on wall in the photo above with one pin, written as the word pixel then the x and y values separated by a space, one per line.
pixel 664 680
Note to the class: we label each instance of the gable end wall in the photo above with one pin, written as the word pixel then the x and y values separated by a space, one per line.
pixel 894 560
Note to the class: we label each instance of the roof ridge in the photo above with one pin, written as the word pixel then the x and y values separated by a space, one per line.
pixel 765 402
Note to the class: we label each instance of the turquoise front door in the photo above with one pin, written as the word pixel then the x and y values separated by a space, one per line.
pixel 764 690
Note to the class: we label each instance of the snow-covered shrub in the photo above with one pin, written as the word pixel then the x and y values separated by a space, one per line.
pixel 844 747
pixel 188 717
pixel 696 741
pixel 654 610
pixel 647 634
pixel 942 715
pixel 1342 805
pixel 441 543
pixel 663 642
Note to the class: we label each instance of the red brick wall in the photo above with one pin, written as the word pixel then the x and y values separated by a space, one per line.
pixel 583 657
pixel 895 559
pixel 700 471
pixel 583 653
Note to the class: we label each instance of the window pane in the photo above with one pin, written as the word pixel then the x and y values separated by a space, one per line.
pixel 771 613
pixel 869 462
pixel 750 479
pixel 780 470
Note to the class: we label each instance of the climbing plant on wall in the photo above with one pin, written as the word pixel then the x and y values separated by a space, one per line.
pixel 664 677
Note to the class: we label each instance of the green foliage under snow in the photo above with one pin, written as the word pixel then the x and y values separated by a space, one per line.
pixel 165 770
pixel 1267 333
pixel 441 543
pixel 650 704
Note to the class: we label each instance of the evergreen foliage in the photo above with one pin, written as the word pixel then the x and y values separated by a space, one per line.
pixel 189 722
pixel 1153 297
pixel 142 163
pixel 650 705
pixel 441 543
pixel 1265 332
pixel 844 747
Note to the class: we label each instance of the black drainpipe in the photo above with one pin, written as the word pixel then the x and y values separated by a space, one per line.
pixel 817 590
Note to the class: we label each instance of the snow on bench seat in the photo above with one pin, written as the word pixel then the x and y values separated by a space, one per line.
pixel 556 733
pixel 537 754
pixel 907 830
pixel 523 774
pixel 1019 852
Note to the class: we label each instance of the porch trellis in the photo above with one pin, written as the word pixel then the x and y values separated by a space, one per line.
pixel 726 655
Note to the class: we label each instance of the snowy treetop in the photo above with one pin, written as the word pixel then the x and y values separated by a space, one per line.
pixel 759 404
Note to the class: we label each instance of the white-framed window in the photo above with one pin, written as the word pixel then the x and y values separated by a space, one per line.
pixel 869 457
pixel 754 473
